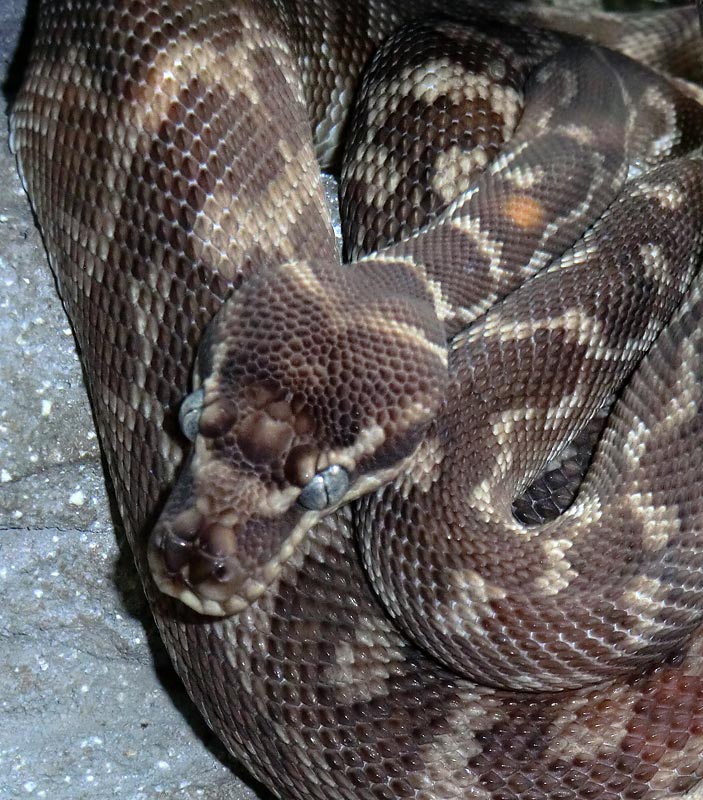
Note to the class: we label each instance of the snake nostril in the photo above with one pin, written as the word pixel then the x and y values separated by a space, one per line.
pixel 175 553
pixel 221 573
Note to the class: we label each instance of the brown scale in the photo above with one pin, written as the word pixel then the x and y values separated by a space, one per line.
pixel 311 685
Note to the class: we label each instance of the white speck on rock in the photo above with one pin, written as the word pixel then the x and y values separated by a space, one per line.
pixel 77 498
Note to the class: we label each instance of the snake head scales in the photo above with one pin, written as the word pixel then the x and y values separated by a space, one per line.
pixel 315 387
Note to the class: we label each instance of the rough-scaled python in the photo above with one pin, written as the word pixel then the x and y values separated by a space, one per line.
pixel 536 202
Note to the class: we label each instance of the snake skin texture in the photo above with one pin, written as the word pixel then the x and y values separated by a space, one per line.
pixel 335 561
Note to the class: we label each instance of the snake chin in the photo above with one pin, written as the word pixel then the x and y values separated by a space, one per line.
pixel 214 558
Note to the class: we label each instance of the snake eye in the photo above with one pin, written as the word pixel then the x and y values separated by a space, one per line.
pixel 325 489
pixel 189 413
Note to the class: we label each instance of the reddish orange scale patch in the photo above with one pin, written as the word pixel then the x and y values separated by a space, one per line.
pixel 670 718
pixel 524 211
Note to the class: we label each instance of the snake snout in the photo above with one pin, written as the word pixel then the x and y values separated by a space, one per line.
pixel 197 564
pixel 216 551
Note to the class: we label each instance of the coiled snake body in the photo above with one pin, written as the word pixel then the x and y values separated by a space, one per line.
pixel 166 148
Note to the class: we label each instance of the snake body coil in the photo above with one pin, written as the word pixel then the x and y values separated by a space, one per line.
pixel 524 211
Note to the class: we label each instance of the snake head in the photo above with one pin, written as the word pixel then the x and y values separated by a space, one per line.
pixel 316 387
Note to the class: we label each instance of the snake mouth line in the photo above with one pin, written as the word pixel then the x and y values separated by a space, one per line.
pixel 203 562
pixel 215 585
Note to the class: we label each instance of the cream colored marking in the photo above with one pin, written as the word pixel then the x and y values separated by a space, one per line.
pixel 232 605
pixel 564 408
pixel 645 598
pixel 372 482
pixel 583 249
pixel 669 196
pixel 469 314
pixel 505 159
pixel 369 440
pixel 504 426
pixel 444 756
pixel 480 498
pixel 471 582
pixel 490 506
pixel 385 326
pixel 491 249
pixel 669 766
pixel 424 468
pixel 328 131
pixel 443 308
pixel 591 730
pixel 559 573
pixel 575 324
pixel 440 78
pixel 679 410
pixel 579 133
pixel 526 177
pixel 683 406
pixel 174 67
pixel 453 169
pixel 569 82
pixel 304 275
pixel 232 212
pixel 656 100
pixel 391 179
pixel 468 596
pixel 585 512
pixel 655 264
pixel 358 673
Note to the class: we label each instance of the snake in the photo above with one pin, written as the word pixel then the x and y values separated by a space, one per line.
pixel 320 462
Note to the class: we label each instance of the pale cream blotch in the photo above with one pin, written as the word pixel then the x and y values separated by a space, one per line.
pixel 668 196
pixel 592 728
pixel 445 758
pixel 424 469
pixel 559 572
pixel 453 168
pixel 644 598
pixel 357 674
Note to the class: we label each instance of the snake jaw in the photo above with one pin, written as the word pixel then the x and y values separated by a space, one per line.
pixel 211 563
pixel 216 562
pixel 212 584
